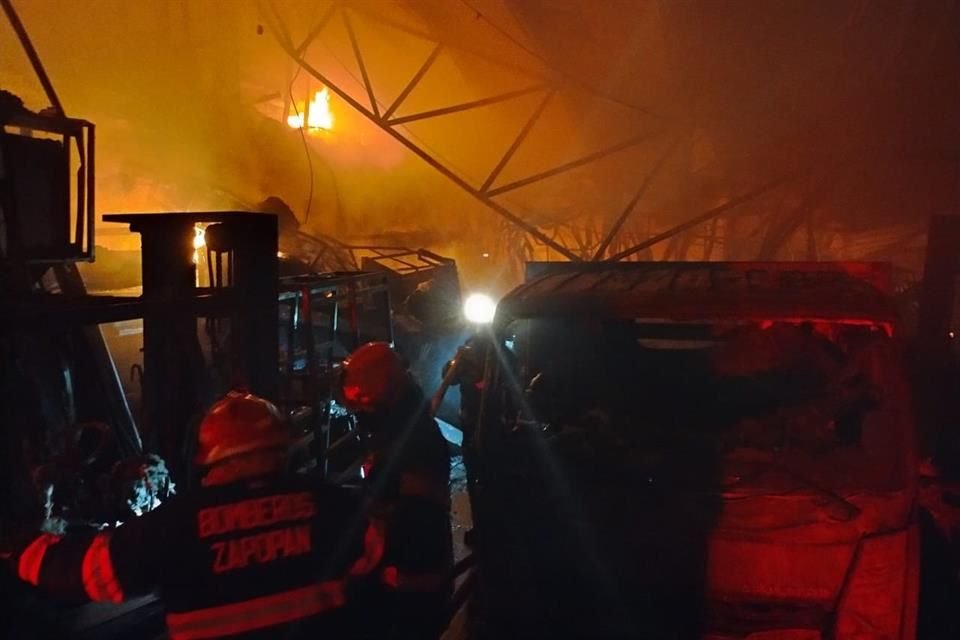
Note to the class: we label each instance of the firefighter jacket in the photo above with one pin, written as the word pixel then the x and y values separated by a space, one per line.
pixel 272 561
pixel 407 474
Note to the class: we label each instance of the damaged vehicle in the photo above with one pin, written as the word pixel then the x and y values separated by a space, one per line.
pixel 696 450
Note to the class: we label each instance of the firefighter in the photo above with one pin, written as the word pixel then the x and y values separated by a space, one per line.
pixel 251 553
pixel 468 375
pixel 469 362
pixel 406 478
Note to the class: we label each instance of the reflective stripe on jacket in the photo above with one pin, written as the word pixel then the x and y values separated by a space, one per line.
pixel 225 561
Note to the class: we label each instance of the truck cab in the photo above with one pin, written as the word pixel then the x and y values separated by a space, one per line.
pixel 696 450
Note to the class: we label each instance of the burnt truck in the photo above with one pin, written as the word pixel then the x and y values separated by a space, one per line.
pixel 696 450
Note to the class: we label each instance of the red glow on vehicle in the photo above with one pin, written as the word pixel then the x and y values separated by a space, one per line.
pixel 826 326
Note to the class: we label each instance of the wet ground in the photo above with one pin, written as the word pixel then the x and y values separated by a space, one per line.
pixel 461 522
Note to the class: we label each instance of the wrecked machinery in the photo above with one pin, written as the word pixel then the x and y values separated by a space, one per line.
pixel 719 450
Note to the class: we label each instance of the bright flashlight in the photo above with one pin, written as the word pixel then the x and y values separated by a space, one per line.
pixel 479 308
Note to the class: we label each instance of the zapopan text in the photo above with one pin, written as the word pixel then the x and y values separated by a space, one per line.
pixel 259 548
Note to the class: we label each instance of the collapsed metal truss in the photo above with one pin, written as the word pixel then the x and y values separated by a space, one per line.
pixel 486 192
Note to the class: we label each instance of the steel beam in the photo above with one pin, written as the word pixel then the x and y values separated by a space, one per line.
pixel 527 127
pixel 432 37
pixel 778 235
pixel 705 216
pixel 316 30
pixel 618 224
pixel 465 106
pixel 275 23
pixel 573 164
pixel 414 81
pixel 363 68
pixel 33 56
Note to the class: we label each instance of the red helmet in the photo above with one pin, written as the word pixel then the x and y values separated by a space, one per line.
pixel 239 423
pixel 374 377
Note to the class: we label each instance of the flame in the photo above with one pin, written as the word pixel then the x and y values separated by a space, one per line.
pixel 317 113
pixel 320 116
pixel 199 242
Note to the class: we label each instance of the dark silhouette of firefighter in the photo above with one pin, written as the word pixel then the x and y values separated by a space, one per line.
pixel 251 553
pixel 406 474
pixel 468 375
pixel 466 371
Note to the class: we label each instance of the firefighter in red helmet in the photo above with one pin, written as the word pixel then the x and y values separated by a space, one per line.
pixel 374 379
pixel 250 554
pixel 406 478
